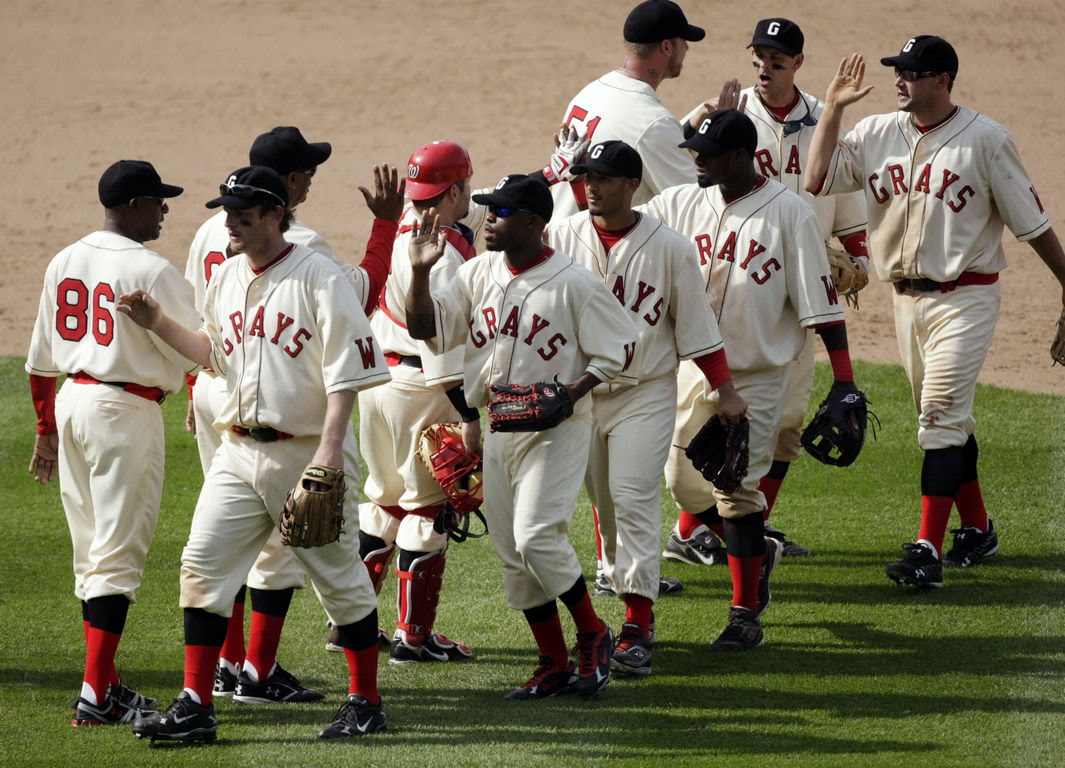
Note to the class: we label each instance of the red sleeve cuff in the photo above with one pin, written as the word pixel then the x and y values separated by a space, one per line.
pixel 855 244
pixel 190 382
pixel 42 390
pixel 841 365
pixel 715 367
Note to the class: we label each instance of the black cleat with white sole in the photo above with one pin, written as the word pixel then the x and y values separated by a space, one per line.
pixel 184 720
pixel 356 717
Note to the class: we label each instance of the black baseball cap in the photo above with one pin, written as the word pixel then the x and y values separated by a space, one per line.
pixel 285 150
pixel 782 34
pixel 248 187
pixel 128 179
pixel 521 193
pixel 925 53
pixel 653 21
pixel 723 131
pixel 612 158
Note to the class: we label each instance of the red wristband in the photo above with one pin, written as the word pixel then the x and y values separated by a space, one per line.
pixel 715 367
pixel 841 364
pixel 42 390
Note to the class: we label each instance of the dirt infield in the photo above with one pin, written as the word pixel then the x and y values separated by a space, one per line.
pixel 189 85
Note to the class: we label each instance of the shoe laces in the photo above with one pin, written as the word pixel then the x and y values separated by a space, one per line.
pixel 540 674
pixel 586 653
pixel 630 634
pixel 917 551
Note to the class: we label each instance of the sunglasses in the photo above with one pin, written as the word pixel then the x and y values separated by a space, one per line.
pixel 502 213
pixel 245 192
pixel 310 172
pixel 157 200
pixel 909 76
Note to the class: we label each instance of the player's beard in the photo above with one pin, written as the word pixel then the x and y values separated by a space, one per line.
pixel 703 180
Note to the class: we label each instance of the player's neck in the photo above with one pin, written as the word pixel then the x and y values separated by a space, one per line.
pixel 742 184
pixel 113 225
pixel 780 98
pixel 268 253
pixel 617 221
pixel 934 114
pixel 649 72
pixel 524 255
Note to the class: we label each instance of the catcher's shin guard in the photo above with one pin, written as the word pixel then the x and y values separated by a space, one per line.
pixel 418 594
pixel 377 563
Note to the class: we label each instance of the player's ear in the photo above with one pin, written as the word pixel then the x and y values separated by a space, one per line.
pixel 799 58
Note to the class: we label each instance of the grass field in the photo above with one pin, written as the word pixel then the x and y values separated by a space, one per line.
pixel 855 670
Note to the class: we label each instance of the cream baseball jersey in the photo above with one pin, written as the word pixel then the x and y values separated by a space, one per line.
pixel 620 107
pixel 208 251
pixel 389 323
pixel 937 200
pixel 295 326
pixel 553 319
pixel 79 329
pixel 653 274
pixel 782 151
pixel 764 267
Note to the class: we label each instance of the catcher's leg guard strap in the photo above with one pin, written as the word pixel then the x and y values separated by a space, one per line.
pixel 745 536
pixel 942 471
pixel 418 592
pixel 376 560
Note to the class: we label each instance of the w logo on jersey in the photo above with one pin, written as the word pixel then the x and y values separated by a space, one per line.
pixel 830 290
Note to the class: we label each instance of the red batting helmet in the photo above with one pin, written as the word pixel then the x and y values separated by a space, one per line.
pixel 435 167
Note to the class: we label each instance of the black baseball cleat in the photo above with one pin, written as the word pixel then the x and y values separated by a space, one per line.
pixel 184 720
pixel 111 712
pixel 791 549
pixel 971 545
pixel 547 680
pixel 225 682
pixel 437 647
pixel 773 552
pixel 280 688
pixel 701 549
pixel 132 698
pixel 356 717
pixel 632 654
pixel 594 650
pixel 742 633
pixel 919 566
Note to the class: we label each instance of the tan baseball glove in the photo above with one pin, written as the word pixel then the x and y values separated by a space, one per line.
pixel 1057 349
pixel 848 273
pixel 314 510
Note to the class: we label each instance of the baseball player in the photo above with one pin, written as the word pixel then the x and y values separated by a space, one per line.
pixel 277 319
pixel 761 251
pixel 940 181
pixel 104 430
pixel 277 572
pixel 404 498
pixel 525 313
pixel 784 117
pixel 624 105
pixel 653 273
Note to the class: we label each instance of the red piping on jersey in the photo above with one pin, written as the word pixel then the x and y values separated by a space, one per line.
pixel 42 390
pixel 715 367
pixel 545 254
pixel 381 305
pixel 155 394
pixel 280 256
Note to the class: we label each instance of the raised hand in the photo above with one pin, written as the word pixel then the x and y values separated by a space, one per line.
pixel 387 200
pixel 846 87
pixel 730 97
pixel 140 308
pixel 427 241
pixel 570 147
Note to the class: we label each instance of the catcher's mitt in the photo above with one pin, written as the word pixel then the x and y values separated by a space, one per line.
pixel 312 518
pixel 532 408
pixel 848 273
pixel 1057 349
pixel 836 432
pixel 721 453
pixel 459 474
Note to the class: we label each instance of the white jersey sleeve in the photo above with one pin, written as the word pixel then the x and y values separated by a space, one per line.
pixel 1014 194
pixel 808 274
pixel 665 163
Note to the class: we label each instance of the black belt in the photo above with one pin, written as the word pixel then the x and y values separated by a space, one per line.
pixel 262 434
pixel 917 285
pixel 925 285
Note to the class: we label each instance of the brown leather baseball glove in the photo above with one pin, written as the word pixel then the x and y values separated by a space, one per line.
pixel 848 273
pixel 314 510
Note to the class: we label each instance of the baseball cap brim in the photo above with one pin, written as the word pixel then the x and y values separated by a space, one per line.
pixel 166 190
pixel 502 200
pixel 772 42
pixel 241 203
pixel 903 61
pixel 693 34
pixel 599 167
pixel 704 146
pixel 321 150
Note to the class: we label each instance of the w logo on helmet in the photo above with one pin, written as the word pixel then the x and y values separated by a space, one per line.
pixel 412 171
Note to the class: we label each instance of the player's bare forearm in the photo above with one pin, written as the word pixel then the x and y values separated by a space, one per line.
pixel 822 145
pixel 582 386
pixel 1049 249
pixel 338 407
pixel 421 315
pixel 146 312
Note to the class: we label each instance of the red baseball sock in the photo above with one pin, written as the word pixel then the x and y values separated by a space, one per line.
pixel 233 648
pixel 100 648
pixel 550 640
pixel 687 523
pixel 971 505
pixel 746 573
pixel 638 611
pixel 584 615
pixel 770 487
pixel 200 661
pixel 362 669
pixel 935 514
pixel 263 639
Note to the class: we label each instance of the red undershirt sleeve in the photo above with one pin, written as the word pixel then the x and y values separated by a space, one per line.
pixel 378 259
pixel 715 367
pixel 42 389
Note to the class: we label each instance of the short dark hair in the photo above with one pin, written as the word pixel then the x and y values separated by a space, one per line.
pixel 286 220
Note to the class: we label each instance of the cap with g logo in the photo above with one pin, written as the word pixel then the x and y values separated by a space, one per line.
pixel 612 158
pixel 782 34
pixel 723 131
pixel 248 187
pixel 521 193
pixel 925 53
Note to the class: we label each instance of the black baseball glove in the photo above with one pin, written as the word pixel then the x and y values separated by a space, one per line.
pixel 836 432
pixel 721 453
pixel 532 408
